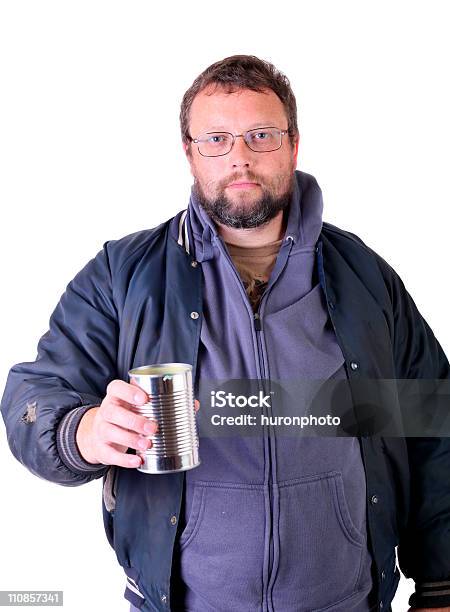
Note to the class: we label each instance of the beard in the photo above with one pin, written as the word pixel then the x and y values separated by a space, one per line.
pixel 247 215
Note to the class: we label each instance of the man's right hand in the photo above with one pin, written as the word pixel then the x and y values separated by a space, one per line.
pixel 107 431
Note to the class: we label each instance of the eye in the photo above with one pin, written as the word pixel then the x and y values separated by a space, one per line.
pixel 261 135
pixel 217 138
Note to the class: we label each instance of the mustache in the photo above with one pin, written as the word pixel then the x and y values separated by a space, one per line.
pixel 241 178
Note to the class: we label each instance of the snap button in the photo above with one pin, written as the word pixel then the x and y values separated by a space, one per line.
pixel 381 605
pixel 163 598
pixel 374 499
pixel 317 249
pixel 194 264
pixel 173 520
pixel 194 315
pixel 383 575
pixel 354 365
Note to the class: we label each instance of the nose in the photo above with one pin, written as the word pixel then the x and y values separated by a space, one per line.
pixel 240 154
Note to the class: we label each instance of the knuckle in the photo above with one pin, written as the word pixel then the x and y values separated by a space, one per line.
pixel 136 443
pixel 111 387
pixel 105 430
pixel 107 410
pixel 134 422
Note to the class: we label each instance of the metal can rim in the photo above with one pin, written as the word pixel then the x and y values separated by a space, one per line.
pixel 179 368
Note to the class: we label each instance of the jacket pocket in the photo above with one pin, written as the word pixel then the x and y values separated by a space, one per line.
pixel 132 591
pixel 109 489
pixel 109 503
pixel 320 547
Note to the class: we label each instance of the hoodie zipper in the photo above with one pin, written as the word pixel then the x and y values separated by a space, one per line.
pixel 257 325
pixel 268 565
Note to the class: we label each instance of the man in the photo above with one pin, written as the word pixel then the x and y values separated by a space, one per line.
pixel 247 284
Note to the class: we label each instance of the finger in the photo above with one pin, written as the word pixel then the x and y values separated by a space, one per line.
pixel 196 405
pixel 111 456
pixel 114 434
pixel 122 459
pixel 130 393
pixel 128 419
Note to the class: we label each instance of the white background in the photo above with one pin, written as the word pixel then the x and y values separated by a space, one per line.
pixel 90 150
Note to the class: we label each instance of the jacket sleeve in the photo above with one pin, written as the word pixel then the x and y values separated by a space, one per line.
pixel 424 548
pixel 44 400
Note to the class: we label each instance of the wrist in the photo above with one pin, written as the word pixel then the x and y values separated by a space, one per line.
pixel 83 436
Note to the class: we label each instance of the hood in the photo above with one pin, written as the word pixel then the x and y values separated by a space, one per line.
pixel 304 219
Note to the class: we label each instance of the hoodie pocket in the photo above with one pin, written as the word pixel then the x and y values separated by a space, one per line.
pixel 320 547
pixel 222 546
pixel 195 517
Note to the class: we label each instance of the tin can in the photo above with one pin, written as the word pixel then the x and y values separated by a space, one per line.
pixel 171 403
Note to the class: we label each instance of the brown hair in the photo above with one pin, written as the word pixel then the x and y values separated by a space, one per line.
pixel 241 72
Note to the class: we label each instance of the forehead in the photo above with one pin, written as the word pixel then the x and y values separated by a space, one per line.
pixel 215 108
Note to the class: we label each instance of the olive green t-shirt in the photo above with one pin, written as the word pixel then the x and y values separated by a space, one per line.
pixel 254 265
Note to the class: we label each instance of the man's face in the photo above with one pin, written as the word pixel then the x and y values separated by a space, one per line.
pixel 244 188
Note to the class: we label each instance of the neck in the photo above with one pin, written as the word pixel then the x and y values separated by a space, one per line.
pixel 255 236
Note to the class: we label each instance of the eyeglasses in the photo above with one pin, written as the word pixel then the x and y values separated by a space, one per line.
pixel 259 140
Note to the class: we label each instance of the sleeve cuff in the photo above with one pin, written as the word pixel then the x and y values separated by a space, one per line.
pixel 67 446
pixel 431 595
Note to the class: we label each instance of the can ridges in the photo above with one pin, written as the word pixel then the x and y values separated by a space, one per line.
pixel 171 403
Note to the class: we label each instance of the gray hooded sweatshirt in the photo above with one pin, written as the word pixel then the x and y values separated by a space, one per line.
pixel 274 521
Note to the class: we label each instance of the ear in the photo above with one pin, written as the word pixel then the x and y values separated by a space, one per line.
pixel 295 149
pixel 188 152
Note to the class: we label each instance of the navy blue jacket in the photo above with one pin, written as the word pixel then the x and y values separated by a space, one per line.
pixel 132 305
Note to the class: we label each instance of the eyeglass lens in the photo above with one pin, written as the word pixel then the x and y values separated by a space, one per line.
pixel 220 143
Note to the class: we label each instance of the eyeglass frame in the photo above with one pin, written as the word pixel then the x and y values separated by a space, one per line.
pixel 234 136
